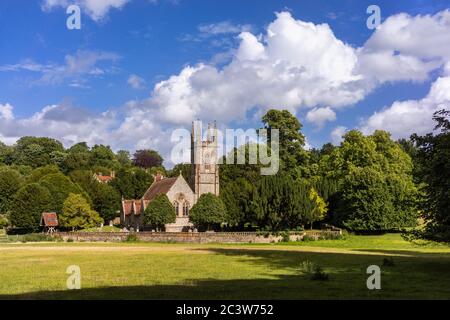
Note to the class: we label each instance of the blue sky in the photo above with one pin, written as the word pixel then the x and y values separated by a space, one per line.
pixel 71 83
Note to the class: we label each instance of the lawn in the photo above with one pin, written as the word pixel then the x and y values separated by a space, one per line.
pixel 185 271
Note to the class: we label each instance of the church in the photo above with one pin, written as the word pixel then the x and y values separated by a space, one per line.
pixel 181 193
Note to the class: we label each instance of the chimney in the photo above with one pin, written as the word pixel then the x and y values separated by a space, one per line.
pixel 113 174
pixel 158 176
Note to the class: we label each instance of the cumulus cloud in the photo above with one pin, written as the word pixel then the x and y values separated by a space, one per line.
pixel 406 48
pixel 95 9
pixel 135 82
pixel 296 64
pixel 403 118
pixel 293 65
pixel 320 116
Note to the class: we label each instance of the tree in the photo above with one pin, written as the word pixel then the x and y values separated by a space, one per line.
pixel 318 210
pixel 27 206
pixel 77 214
pixel 5 153
pixel 38 173
pixel 147 159
pixel 375 187
pixel 106 200
pixel 236 196
pixel 433 158
pixel 10 182
pixel 102 156
pixel 159 212
pixel 208 213
pixel 123 157
pixel 292 141
pixel 35 151
pixel 185 170
pixel 60 187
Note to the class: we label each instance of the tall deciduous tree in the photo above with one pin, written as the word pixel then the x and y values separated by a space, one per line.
pixel 77 214
pixel 433 157
pixel 147 159
pixel 292 141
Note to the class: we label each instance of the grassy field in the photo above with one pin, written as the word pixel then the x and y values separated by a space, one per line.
pixel 181 271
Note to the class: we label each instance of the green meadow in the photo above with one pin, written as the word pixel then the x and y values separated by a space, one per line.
pixel 217 271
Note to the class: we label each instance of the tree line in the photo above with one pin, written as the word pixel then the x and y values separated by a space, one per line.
pixel 369 183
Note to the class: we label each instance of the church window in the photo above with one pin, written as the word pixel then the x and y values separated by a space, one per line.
pixel 186 209
pixel 176 205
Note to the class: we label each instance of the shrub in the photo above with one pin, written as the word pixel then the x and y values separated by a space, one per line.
pixel 36 237
pixel 315 271
pixel 319 274
pixel 285 236
pixel 131 238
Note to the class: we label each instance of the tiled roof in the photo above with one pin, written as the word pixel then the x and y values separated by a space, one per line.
pixel 49 219
pixel 127 207
pixel 104 178
pixel 137 207
pixel 159 187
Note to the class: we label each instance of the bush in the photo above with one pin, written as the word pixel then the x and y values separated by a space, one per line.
pixel 36 237
pixel 315 271
pixel 131 238
pixel 319 274
pixel 285 236
pixel 307 238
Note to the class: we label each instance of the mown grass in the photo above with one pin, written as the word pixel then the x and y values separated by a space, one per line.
pixel 182 271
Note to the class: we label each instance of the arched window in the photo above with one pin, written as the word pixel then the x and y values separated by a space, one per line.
pixel 186 209
pixel 176 205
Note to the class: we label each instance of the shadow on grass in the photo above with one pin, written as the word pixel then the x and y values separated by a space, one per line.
pixel 410 278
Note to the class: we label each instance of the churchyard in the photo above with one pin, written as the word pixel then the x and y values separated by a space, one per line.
pixel 219 271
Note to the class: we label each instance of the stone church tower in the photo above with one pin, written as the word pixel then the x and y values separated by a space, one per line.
pixel 204 160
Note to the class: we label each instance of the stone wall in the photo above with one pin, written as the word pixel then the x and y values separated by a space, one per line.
pixel 187 237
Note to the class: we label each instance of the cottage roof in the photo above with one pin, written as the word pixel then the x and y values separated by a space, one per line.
pixel 49 219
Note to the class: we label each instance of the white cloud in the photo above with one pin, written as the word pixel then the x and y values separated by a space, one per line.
pixel 336 135
pixel 319 116
pixel 223 27
pixel 406 48
pixel 135 82
pixel 77 68
pixel 296 64
pixel 6 112
pixel 95 9
pixel 403 118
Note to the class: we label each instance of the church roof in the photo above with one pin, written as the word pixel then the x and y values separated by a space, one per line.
pixel 159 187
